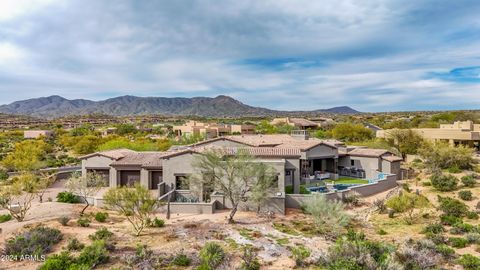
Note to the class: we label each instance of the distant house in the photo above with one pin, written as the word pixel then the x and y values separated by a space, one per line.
pixel 297 123
pixel 372 127
pixel 211 130
pixel 459 133
pixel 35 134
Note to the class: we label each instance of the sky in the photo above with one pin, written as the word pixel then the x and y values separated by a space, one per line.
pixel 371 55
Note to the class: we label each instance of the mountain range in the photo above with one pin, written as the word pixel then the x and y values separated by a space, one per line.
pixel 220 106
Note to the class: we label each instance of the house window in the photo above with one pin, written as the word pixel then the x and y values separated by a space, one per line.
pixel 181 182
pixel 352 163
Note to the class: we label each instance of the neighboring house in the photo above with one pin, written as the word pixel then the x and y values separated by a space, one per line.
pixel 297 159
pixel 323 122
pixel 297 123
pixel 372 127
pixel 35 134
pixel 211 130
pixel 459 133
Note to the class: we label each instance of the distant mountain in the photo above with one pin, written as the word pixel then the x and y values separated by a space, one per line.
pixel 220 106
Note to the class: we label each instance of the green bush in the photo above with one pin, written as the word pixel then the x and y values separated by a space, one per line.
pixel 454 169
pixel 469 181
pixel 249 259
pixel 101 216
pixel 181 260
pixel 5 218
pixel 450 220
pixel 461 228
pixel 157 222
pixel 457 242
pixel 61 261
pixel 469 262
pixel 444 182
pixel 83 222
pixel 64 220
pixel 472 215
pixel 465 195
pixel 453 207
pixel 67 197
pixel 94 254
pixel 446 251
pixel 101 234
pixel 211 256
pixel 426 183
pixel 329 216
pixel 300 254
pixel 434 228
pixel 74 245
pixel 37 241
pixel 303 190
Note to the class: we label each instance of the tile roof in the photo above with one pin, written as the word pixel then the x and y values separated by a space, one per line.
pixel 142 159
pixel 281 141
pixel 367 152
pixel 303 122
pixel 254 151
pixel 113 154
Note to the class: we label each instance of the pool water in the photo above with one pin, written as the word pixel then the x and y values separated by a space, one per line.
pixel 335 187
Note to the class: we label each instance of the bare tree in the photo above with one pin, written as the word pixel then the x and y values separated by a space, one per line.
pixel 17 198
pixel 85 186
pixel 236 176
pixel 45 181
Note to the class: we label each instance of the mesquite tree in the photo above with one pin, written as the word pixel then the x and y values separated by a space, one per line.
pixel 237 176
pixel 85 186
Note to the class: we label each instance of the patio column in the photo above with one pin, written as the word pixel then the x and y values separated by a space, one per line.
pixel 296 183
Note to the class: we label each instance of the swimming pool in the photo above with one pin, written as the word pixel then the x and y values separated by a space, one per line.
pixel 335 187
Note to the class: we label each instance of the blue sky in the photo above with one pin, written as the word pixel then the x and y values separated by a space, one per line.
pixel 372 55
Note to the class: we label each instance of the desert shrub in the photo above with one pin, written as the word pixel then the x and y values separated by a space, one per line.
pixel 67 197
pixel 446 251
pixel 381 232
pixel 5 218
pixel 354 251
pixel 249 258
pixel 449 220
pixel 37 241
pixel 457 242
pixel 472 215
pixel 351 198
pixel 438 239
pixel 418 255
pixel 74 245
pixel 94 255
pixel 465 195
pixel 211 256
pixel 426 183
pixel 444 156
pixel 461 228
pixel 83 222
pixel 473 238
pixel 434 228
pixel 469 262
pixel 444 182
pixel 300 254
pixel 101 234
pixel 329 216
pixel 454 169
pixel 453 207
pixel 181 260
pixel 101 216
pixel 380 205
pixel 407 203
pixel 144 258
pixel 62 261
pixel 64 220
pixel 157 222
pixel 469 181
pixel 406 187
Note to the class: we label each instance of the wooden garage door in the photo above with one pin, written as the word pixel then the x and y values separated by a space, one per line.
pixel 156 178
pixel 129 178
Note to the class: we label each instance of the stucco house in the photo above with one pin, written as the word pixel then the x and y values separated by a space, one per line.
pixel 297 160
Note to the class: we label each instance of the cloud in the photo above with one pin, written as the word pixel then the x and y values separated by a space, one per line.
pixel 372 55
